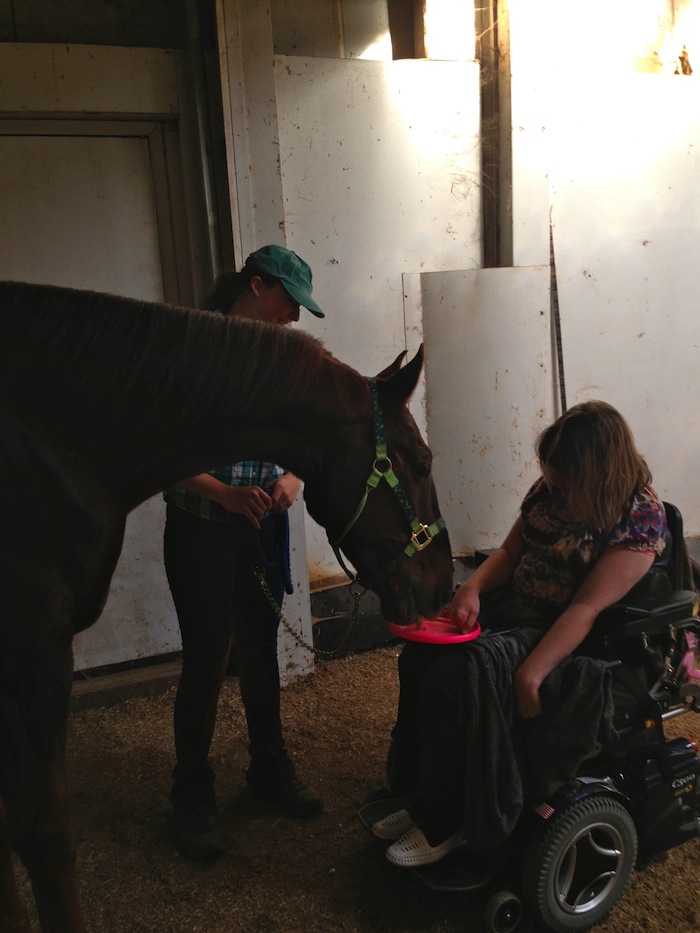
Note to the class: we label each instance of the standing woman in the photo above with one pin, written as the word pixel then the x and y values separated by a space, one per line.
pixel 220 526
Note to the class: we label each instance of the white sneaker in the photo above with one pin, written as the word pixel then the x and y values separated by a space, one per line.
pixel 393 826
pixel 413 849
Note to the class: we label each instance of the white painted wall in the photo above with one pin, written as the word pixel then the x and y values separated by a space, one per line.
pixel 613 153
pixel 380 176
pixel 366 158
pixel 369 169
pixel 610 153
pixel 627 228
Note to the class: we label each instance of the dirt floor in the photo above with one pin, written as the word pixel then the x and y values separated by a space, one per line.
pixel 327 875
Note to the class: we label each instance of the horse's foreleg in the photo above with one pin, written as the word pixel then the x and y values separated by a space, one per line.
pixel 35 796
pixel 51 865
pixel 13 916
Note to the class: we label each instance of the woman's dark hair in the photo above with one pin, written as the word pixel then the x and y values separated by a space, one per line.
pixel 230 285
pixel 592 447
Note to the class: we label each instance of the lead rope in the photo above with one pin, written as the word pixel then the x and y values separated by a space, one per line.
pixel 356 594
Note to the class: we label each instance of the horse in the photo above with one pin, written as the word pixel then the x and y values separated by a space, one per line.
pixel 104 402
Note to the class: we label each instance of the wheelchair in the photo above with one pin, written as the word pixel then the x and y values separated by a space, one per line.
pixel 571 856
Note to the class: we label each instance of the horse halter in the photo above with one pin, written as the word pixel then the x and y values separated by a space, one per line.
pixel 382 469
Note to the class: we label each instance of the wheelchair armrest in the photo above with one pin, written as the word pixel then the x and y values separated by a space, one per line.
pixel 646 615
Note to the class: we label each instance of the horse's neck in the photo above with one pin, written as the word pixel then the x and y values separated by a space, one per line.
pixel 153 395
pixel 237 391
pixel 292 427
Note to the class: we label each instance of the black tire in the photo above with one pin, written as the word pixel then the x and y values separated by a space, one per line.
pixel 503 912
pixel 578 863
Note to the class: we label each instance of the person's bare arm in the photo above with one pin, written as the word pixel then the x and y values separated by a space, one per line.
pixel 496 570
pixel 608 582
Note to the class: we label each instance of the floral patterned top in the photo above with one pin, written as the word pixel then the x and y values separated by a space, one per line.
pixel 559 553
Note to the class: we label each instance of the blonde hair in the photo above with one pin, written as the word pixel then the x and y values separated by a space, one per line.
pixel 592 447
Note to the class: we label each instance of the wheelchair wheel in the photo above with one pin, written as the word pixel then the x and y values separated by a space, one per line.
pixel 503 912
pixel 578 864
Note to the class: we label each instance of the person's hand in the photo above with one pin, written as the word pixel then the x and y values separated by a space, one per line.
pixel 283 493
pixel 464 608
pixel 250 501
pixel 527 691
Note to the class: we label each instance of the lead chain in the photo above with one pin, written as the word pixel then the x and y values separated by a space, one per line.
pixel 318 652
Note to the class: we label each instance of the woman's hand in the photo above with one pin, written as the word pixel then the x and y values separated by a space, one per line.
pixel 250 501
pixel 496 570
pixel 284 492
pixel 464 608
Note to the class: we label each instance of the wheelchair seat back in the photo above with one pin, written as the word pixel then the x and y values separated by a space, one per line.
pixel 643 637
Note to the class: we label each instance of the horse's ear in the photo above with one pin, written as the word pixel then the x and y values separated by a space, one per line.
pixel 402 382
pixel 393 367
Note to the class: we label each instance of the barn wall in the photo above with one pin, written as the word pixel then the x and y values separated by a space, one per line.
pixel 101 189
pixel 89 150
pixel 370 168
pixel 367 167
pixel 605 146
pixel 63 61
pixel 606 141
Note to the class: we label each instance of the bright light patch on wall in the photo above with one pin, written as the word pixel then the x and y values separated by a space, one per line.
pixel 379 50
pixel 685 35
pixel 435 113
pixel 449 30
pixel 607 38
pixel 587 79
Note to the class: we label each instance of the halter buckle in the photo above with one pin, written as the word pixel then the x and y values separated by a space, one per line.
pixel 421 537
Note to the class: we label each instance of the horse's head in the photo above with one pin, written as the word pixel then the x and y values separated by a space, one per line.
pixel 384 515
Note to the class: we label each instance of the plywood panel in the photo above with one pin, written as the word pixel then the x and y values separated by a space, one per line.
pixel 488 376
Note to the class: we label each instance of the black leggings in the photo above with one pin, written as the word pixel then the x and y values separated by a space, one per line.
pixel 219 601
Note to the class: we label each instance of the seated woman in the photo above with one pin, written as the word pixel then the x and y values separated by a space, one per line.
pixel 484 723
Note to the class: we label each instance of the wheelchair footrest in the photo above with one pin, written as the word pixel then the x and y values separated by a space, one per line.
pixel 461 870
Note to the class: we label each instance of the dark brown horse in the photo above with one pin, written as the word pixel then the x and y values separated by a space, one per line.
pixel 105 401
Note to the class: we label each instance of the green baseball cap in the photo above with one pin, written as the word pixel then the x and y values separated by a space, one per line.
pixel 290 269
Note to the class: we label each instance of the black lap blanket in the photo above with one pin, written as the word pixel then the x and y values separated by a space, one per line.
pixel 508 759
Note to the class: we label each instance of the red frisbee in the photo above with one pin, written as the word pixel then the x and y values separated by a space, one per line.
pixel 438 631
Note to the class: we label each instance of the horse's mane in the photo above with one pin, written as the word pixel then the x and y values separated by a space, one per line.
pixel 96 339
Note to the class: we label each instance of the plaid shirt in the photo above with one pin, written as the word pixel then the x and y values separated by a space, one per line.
pixel 245 473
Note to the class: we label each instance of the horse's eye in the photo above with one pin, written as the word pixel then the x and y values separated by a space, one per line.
pixel 423 470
